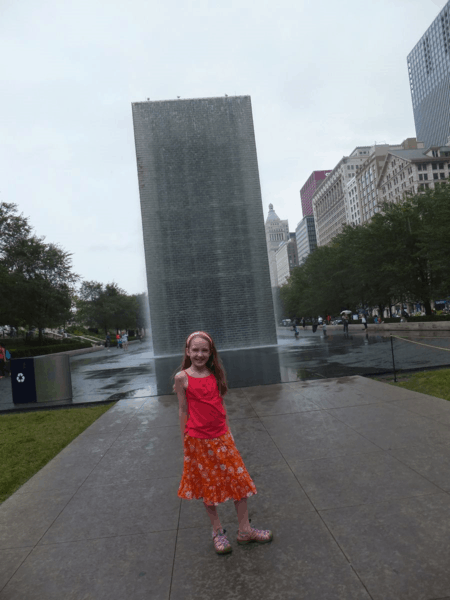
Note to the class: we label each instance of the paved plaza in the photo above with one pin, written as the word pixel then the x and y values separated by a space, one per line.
pixel 353 478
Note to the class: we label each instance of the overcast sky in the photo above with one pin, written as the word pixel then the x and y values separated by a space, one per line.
pixel 324 76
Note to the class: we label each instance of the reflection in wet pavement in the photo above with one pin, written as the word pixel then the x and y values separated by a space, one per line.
pixel 111 375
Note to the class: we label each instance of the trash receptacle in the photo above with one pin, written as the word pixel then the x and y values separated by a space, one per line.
pixel 41 379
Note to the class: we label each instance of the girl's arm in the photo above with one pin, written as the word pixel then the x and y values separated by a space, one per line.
pixel 226 417
pixel 182 402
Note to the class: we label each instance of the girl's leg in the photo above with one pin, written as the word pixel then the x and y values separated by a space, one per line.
pixel 214 517
pixel 242 513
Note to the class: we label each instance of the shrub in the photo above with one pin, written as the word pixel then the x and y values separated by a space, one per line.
pixel 28 352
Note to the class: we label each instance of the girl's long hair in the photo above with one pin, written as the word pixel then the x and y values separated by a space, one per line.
pixel 214 364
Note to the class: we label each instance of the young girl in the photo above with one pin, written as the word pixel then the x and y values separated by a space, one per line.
pixel 213 468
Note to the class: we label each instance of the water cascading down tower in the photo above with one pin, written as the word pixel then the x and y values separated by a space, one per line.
pixel 203 224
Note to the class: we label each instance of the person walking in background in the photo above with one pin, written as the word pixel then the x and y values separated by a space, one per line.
pixel 303 322
pixel 108 340
pixel 345 323
pixel 2 361
pixel 119 341
pixel 314 325
pixel 295 323
pixel 125 340
pixel 213 468
pixel 364 321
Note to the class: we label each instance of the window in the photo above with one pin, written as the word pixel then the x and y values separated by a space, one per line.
pixel 425 177
pixel 442 175
pixel 421 177
pixel 435 166
pixel 441 166
pixel 435 175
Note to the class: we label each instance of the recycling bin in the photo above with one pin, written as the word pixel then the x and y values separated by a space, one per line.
pixel 41 379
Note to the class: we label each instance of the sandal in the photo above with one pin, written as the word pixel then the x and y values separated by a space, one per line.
pixel 260 536
pixel 221 543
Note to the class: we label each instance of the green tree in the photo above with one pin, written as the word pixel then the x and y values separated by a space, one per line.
pixel 108 307
pixel 434 209
pixel 43 282
pixel 36 278
pixel 401 254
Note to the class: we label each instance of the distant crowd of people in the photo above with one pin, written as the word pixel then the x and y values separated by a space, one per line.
pixel 344 319
pixel 121 339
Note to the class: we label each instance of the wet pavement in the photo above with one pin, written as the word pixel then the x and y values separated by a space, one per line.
pixel 352 478
pixel 117 375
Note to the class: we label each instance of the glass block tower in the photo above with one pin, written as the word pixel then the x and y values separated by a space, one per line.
pixel 429 76
pixel 203 224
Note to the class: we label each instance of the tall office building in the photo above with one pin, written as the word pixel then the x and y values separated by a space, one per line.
pixel 429 77
pixel 277 232
pixel 307 191
pixel 287 259
pixel 203 223
pixel 306 238
pixel 329 204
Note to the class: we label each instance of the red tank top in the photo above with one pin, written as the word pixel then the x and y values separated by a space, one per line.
pixel 207 417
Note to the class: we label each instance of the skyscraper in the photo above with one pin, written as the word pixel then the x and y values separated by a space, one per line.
pixel 307 191
pixel 429 77
pixel 203 224
pixel 306 238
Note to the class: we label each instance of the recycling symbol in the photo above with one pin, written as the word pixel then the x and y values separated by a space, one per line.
pixel 20 377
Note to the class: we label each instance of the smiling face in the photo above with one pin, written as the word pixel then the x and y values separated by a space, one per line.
pixel 199 352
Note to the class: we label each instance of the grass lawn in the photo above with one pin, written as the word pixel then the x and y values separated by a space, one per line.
pixel 433 383
pixel 28 441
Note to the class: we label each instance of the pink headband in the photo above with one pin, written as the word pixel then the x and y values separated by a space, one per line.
pixel 200 333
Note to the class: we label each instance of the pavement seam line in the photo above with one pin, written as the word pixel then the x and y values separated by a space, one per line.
pixel 175 550
pixel 13 575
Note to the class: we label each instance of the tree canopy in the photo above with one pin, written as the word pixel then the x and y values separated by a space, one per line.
pixel 38 286
pixel 400 255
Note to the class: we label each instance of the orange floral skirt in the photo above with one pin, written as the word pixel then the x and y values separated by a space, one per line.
pixel 214 471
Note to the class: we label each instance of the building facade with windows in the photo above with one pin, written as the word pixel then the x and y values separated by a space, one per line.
pixel 412 171
pixel 329 200
pixel 277 232
pixel 429 78
pixel 308 190
pixel 305 235
pixel 350 194
pixel 369 173
pixel 287 259
pixel 352 206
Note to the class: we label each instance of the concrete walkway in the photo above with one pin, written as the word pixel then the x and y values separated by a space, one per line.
pixel 353 477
